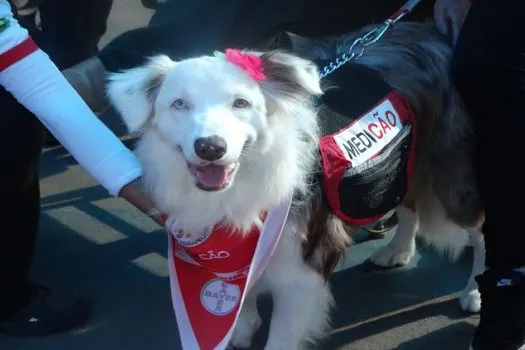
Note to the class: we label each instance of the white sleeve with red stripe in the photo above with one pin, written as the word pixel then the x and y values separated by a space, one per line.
pixel 28 74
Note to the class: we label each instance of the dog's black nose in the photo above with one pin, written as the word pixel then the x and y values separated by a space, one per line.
pixel 210 148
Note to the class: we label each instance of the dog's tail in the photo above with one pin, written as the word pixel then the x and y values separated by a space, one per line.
pixel 327 237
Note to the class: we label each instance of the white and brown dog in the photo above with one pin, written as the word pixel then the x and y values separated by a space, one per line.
pixel 217 145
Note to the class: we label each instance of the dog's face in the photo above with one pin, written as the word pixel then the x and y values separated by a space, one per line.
pixel 209 110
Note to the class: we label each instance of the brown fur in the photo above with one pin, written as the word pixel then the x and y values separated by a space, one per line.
pixel 323 251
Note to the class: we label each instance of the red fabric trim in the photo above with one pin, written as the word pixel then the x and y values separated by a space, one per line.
pixel 334 165
pixel 364 221
pixel 399 13
pixel 401 105
pixel 17 53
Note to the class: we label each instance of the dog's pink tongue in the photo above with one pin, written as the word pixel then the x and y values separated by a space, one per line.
pixel 212 176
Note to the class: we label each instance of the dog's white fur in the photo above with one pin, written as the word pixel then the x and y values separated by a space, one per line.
pixel 445 237
pixel 274 141
pixel 273 166
pixel 450 241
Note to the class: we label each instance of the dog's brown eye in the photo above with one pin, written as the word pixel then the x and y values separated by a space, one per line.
pixel 179 104
pixel 241 103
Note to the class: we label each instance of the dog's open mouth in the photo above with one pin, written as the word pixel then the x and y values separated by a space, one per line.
pixel 213 177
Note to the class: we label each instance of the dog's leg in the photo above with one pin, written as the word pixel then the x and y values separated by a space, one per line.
pixel 470 299
pixel 401 249
pixel 300 310
pixel 248 323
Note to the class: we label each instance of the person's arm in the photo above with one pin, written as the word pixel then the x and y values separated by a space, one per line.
pixel 449 16
pixel 28 74
pixel 133 194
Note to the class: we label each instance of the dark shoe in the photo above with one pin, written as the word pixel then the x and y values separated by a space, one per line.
pixel 37 311
pixel 502 318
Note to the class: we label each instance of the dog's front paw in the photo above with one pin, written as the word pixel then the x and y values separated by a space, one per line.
pixel 470 301
pixel 245 329
pixel 393 255
pixel 239 343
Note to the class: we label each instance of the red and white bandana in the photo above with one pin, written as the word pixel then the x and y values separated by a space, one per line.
pixel 210 274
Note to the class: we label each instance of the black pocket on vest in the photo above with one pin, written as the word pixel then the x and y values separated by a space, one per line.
pixel 377 186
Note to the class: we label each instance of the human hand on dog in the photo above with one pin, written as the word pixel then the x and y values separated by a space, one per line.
pixel 132 193
pixel 449 16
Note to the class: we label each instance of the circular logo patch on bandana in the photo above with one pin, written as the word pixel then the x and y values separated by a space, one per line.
pixel 220 298
pixel 190 239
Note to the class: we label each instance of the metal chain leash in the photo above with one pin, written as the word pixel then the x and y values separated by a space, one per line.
pixel 359 45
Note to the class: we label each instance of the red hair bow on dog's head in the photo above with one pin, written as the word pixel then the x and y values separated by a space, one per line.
pixel 250 63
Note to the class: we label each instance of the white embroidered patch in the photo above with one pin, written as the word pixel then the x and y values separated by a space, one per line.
pixel 190 238
pixel 369 134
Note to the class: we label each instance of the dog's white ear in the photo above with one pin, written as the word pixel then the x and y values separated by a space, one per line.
pixel 133 92
pixel 293 74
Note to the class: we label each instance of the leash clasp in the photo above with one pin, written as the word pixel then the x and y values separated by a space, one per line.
pixel 375 34
pixel 358 46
